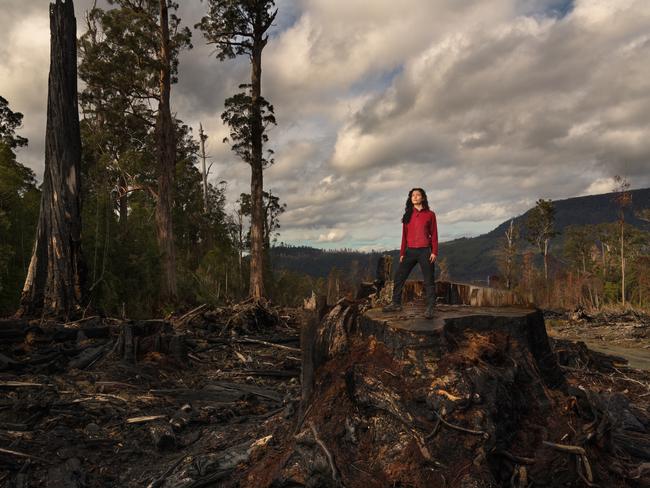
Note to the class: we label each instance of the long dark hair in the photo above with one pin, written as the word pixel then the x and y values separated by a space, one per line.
pixel 408 211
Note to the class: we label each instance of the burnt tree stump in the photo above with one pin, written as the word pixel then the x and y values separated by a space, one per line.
pixel 473 398
pixel 55 280
pixel 137 339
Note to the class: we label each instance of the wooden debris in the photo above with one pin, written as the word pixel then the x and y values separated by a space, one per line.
pixel 376 393
pixel 162 436
pixel 248 340
pixel 189 316
pixel 459 428
pixel 22 455
pixel 20 384
pixel 328 454
pixel 143 419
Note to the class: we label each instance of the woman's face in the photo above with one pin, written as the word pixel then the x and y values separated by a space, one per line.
pixel 416 198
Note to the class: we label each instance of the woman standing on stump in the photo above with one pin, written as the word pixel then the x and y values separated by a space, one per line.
pixel 419 245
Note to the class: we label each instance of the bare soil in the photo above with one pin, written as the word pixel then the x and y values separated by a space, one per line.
pixel 626 334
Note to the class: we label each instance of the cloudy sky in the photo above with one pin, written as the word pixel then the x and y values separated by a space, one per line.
pixel 488 105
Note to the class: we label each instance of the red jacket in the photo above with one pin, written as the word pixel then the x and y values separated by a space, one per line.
pixel 421 231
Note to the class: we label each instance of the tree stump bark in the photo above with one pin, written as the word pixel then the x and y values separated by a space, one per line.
pixel 140 338
pixel 473 398
pixel 55 281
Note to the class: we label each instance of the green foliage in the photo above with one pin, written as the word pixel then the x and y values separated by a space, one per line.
pixel 19 204
pixel 272 211
pixel 579 243
pixel 230 28
pixel 123 258
pixel 540 224
pixel 290 288
pixel 611 292
pixel 238 115
pixel 9 122
pixel 120 65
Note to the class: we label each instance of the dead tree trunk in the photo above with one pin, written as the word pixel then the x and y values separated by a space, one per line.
pixel 204 171
pixel 55 281
pixel 166 165
pixel 124 206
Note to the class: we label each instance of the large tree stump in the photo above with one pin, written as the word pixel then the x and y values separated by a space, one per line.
pixel 55 281
pixel 473 398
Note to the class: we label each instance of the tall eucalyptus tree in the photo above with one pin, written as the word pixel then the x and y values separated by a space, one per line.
pixel 239 27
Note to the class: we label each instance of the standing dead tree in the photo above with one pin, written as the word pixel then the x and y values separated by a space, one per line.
pixel 55 280
pixel 540 229
pixel 623 199
pixel 507 253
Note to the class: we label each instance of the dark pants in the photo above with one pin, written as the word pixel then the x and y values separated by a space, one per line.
pixel 413 256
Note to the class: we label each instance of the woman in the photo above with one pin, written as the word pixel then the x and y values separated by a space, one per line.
pixel 419 245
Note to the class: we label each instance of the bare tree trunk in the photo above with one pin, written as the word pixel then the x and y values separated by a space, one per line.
pixel 256 289
pixel 203 138
pixel 240 245
pixel 622 264
pixel 166 165
pixel 546 260
pixel 55 281
pixel 124 206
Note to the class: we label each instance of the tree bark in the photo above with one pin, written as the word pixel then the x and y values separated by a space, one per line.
pixel 622 260
pixel 204 172
pixel 256 289
pixel 546 260
pixel 166 165
pixel 124 207
pixel 55 280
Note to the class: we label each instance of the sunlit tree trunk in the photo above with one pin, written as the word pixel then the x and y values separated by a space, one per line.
pixel 256 289
pixel 55 280
pixel 166 165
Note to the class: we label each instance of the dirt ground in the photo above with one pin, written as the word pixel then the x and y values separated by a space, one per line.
pixel 621 334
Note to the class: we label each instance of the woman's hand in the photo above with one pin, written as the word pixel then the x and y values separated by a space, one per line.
pixel 432 258
pixel 401 258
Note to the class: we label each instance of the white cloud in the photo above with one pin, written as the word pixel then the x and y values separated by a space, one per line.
pixel 601 185
pixel 487 105
pixel 334 235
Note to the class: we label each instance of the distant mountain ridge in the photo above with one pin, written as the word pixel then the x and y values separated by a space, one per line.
pixel 469 258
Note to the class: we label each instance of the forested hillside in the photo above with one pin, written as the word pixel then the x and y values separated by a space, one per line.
pixel 474 258
pixel 470 258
